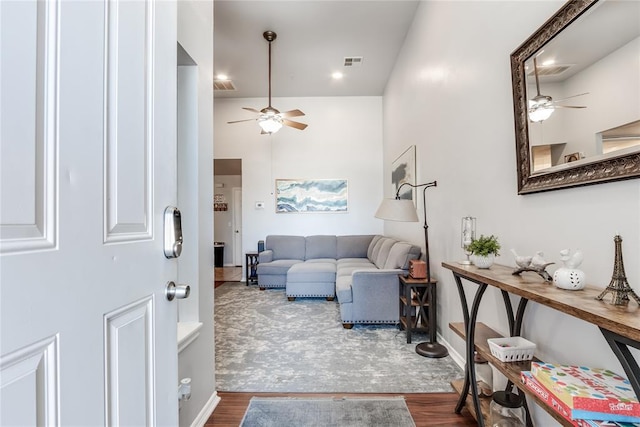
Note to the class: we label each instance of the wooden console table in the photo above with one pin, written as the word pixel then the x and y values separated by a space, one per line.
pixel 620 326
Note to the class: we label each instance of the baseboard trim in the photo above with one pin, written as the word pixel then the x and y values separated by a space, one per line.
pixel 455 356
pixel 206 410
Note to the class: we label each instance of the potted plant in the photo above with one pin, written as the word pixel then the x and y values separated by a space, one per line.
pixel 485 250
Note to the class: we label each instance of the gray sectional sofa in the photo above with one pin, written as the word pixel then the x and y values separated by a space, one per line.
pixel 362 270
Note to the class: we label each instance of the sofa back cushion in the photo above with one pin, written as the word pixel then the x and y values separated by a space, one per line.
pixel 286 247
pixel 400 255
pixel 372 246
pixel 381 251
pixel 320 247
pixel 353 246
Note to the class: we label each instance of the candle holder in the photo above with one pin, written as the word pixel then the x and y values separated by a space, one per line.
pixel 467 234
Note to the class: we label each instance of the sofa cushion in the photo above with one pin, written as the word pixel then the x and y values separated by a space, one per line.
pixel 353 246
pixel 286 247
pixel 400 255
pixel 348 269
pixel 348 264
pixel 312 272
pixel 320 247
pixel 345 261
pixel 384 247
pixel 372 246
pixel 277 267
pixel 311 261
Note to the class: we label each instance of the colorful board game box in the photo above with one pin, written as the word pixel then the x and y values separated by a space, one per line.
pixel 547 397
pixel 588 391
pixel 565 411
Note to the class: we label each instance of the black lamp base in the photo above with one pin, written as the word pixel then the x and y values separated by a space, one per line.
pixel 432 349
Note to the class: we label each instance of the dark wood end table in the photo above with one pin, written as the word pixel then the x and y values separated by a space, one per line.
pixel 251 267
pixel 418 313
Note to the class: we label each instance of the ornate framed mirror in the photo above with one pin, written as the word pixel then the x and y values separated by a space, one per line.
pixel 576 97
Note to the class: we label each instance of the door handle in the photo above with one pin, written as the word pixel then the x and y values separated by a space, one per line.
pixel 177 291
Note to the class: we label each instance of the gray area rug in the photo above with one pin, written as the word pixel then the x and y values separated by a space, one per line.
pixel 265 343
pixel 325 412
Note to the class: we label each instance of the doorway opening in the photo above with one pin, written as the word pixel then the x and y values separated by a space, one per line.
pixel 227 217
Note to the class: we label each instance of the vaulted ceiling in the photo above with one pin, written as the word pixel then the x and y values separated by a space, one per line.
pixel 313 39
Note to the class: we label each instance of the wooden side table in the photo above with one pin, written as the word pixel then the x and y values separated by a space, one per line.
pixel 251 267
pixel 418 313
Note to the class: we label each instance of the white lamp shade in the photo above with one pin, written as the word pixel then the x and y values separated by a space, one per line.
pixel 397 210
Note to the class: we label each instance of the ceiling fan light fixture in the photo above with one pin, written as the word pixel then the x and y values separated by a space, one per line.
pixel 269 119
pixel 270 123
pixel 539 111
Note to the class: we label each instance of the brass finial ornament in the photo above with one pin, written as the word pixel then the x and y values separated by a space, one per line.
pixel 619 286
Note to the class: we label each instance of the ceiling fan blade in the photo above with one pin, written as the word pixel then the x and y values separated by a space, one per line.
pixel 239 121
pixel 568 106
pixel 572 96
pixel 253 110
pixel 293 124
pixel 292 113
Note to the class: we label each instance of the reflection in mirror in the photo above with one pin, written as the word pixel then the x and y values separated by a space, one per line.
pixel 587 75
pixel 619 138
pixel 577 96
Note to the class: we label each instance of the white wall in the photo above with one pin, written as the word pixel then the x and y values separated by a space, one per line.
pixel 343 141
pixel 195 34
pixel 450 94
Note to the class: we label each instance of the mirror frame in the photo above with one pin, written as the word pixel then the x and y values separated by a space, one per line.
pixel 625 166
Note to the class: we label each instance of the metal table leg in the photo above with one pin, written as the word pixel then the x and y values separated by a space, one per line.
pixel 620 346
pixel 470 327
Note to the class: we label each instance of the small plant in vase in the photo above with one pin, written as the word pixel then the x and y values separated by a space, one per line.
pixel 484 249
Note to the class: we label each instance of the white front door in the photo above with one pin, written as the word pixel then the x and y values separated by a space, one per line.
pixel 88 164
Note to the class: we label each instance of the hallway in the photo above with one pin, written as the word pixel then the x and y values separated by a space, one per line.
pixel 227 274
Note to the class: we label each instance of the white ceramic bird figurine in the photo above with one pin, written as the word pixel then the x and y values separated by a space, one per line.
pixel 521 261
pixel 538 261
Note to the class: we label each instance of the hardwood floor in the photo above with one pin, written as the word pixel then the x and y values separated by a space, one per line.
pixel 227 274
pixel 427 409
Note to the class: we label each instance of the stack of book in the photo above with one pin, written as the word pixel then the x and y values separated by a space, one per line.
pixel 586 397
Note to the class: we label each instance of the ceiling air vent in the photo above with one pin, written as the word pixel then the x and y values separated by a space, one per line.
pixel 551 70
pixel 353 61
pixel 223 85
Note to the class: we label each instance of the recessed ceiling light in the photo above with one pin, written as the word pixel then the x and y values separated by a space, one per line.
pixel 222 77
pixel 337 75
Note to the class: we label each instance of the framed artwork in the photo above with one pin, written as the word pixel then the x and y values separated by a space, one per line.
pixel 311 195
pixel 572 157
pixel 403 169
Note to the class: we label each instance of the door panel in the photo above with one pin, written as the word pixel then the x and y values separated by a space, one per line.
pixel 128 351
pixel 88 152
pixel 27 107
pixel 30 376
pixel 129 114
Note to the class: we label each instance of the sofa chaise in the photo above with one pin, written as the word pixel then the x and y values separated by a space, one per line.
pixel 361 270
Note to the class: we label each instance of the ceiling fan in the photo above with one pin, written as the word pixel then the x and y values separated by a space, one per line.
pixel 542 106
pixel 270 119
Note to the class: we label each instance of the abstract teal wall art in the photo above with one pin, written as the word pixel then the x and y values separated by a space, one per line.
pixel 311 195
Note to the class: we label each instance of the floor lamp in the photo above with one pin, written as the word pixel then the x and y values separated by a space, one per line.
pixel 404 210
